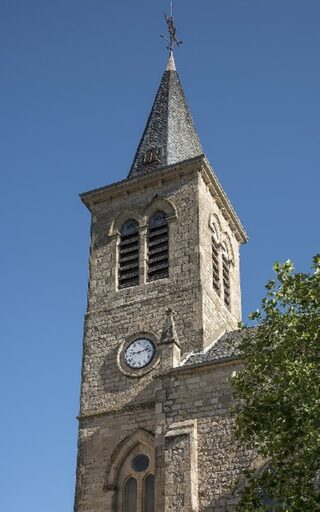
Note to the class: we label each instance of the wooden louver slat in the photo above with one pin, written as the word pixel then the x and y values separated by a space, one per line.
pixel 215 265
pixel 226 281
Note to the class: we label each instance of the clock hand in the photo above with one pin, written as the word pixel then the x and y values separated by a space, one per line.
pixel 139 351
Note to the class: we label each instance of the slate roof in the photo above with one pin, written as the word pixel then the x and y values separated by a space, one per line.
pixel 227 347
pixel 170 130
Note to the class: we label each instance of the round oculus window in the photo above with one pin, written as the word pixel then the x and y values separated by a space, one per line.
pixel 140 463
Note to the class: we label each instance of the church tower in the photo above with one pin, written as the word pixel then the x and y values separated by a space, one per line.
pixel 163 304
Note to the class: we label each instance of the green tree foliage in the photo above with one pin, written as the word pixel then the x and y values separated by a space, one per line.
pixel 278 394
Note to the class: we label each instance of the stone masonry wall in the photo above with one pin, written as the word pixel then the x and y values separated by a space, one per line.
pixel 187 410
pixel 98 438
pixel 113 315
pixel 198 460
pixel 116 315
pixel 203 396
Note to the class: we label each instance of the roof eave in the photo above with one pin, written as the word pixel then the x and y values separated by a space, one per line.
pixel 223 361
pixel 223 201
pixel 199 163
pixel 103 193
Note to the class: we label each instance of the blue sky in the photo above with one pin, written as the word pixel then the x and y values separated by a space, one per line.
pixel 78 78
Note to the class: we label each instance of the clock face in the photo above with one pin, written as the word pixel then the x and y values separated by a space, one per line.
pixel 139 353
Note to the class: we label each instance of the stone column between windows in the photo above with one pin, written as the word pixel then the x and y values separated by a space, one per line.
pixel 143 254
pixel 114 248
pixel 181 467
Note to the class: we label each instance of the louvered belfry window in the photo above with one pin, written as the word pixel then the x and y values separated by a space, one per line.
pixel 158 247
pixel 129 254
pixel 215 265
pixel 226 277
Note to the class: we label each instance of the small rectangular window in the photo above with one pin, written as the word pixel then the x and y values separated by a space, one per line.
pixel 150 156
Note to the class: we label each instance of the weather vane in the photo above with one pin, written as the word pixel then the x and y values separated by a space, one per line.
pixel 172 40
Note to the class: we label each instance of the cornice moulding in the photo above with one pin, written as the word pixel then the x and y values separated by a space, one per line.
pixel 129 185
pixel 211 180
pixel 198 164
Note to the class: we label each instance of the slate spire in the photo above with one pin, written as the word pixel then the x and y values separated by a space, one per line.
pixel 169 136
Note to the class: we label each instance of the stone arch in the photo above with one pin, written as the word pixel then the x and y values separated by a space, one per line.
pixel 164 205
pixel 122 218
pixel 139 437
pixel 215 226
pixel 226 241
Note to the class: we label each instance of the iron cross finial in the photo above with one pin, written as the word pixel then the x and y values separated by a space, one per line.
pixel 172 32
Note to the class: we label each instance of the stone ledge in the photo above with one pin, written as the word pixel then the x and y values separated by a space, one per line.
pixel 119 410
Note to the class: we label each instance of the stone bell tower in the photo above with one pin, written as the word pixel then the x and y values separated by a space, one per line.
pixel 164 289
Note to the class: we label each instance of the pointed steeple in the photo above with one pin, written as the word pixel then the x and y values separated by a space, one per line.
pixel 170 136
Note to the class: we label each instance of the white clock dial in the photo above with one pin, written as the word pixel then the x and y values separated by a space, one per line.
pixel 139 353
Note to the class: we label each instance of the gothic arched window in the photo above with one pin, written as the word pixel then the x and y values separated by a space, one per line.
pixel 148 485
pixel 128 271
pixel 158 246
pixel 226 276
pixel 130 479
pixel 136 482
pixel 130 495
pixel 215 260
